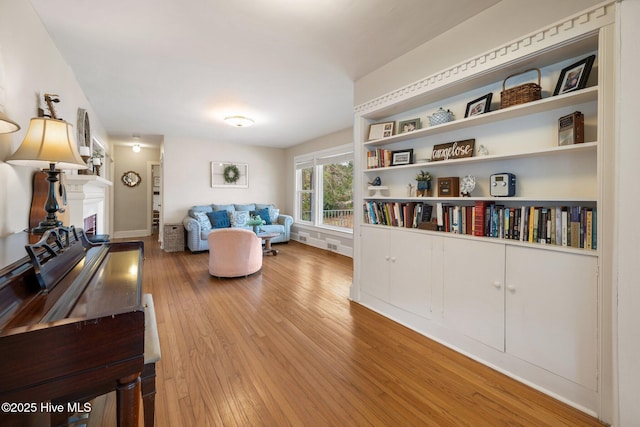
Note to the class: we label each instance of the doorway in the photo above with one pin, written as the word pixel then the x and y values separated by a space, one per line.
pixel 154 191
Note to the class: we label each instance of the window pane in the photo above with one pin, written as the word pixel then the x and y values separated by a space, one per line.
pixel 306 211
pixel 307 179
pixel 337 194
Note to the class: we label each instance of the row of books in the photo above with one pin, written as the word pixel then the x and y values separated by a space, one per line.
pixel 571 226
pixel 378 158
pixel 397 214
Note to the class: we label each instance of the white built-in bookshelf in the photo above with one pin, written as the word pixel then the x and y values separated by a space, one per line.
pixel 530 308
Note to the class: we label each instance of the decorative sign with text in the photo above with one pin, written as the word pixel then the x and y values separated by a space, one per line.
pixel 453 150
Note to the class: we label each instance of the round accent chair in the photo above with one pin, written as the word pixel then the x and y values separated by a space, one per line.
pixel 234 252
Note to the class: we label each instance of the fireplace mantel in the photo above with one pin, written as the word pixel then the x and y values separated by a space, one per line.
pixel 91 180
pixel 86 196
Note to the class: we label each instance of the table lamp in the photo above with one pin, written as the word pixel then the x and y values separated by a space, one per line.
pixel 49 143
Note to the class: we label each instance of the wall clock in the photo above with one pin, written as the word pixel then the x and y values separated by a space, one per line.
pixel 84 128
pixel 131 178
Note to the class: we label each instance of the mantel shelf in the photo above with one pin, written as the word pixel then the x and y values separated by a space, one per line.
pixel 94 180
pixel 550 103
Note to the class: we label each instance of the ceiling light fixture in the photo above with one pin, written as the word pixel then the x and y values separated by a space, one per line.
pixel 136 148
pixel 239 121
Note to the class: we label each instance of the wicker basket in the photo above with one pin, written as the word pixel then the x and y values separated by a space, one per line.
pixel 520 94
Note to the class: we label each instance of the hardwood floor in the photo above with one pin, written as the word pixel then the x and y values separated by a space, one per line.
pixel 285 347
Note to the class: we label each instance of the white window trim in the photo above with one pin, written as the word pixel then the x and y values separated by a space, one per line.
pixel 316 158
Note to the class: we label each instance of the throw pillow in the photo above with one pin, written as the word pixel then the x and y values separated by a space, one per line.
pixel 239 218
pixel 203 219
pixel 274 213
pixel 264 214
pixel 219 219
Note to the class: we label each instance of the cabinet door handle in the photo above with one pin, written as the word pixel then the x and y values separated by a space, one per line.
pixel 387 258
pixel 393 259
pixel 497 284
pixel 511 288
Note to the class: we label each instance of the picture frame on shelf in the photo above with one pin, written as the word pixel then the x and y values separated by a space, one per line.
pixel 402 157
pixel 574 77
pixel 381 130
pixel 409 125
pixel 479 106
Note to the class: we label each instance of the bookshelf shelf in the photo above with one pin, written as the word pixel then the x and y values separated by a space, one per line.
pixel 492 240
pixel 546 104
pixel 536 153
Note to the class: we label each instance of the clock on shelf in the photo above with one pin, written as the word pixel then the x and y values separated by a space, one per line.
pixel 467 185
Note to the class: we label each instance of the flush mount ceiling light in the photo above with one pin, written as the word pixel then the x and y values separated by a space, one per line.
pixel 239 121
pixel 136 148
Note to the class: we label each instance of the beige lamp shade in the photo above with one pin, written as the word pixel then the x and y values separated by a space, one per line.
pixel 48 141
pixel 7 125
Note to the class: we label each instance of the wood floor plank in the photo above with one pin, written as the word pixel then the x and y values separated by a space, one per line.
pixel 285 347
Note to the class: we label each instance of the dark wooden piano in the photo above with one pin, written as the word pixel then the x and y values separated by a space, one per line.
pixel 72 327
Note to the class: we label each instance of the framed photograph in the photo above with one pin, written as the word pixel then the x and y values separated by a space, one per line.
pixel 229 175
pixel 479 106
pixel 402 157
pixel 575 76
pixel 381 130
pixel 408 125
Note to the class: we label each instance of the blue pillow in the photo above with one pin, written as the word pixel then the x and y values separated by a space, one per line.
pixel 264 214
pixel 219 219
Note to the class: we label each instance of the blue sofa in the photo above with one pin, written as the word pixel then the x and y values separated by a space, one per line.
pixel 201 219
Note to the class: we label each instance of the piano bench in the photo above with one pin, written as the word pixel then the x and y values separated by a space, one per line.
pixel 151 356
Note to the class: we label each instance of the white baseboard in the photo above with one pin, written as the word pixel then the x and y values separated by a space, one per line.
pixel 328 244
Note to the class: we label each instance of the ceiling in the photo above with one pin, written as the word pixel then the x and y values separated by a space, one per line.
pixel 157 68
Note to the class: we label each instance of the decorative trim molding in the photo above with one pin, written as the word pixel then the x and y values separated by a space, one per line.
pixel 574 26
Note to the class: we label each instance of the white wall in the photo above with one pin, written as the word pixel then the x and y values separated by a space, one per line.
pixel 187 175
pixel 30 64
pixel 495 26
pixel 628 298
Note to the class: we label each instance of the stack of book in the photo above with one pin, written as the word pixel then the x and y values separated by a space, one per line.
pixel 571 226
pixel 397 214
pixel 378 158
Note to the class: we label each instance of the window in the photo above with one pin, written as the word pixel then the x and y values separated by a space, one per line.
pixel 324 188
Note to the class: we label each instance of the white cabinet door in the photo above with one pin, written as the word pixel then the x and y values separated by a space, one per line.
pixel 473 277
pixel 552 314
pixel 374 275
pixel 411 272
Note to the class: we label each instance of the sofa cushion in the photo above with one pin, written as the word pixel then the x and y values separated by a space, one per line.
pixel 194 209
pixel 219 219
pixel 239 218
pixel 228 208
pixel 203 220
pixel 249 207
pixel 264 215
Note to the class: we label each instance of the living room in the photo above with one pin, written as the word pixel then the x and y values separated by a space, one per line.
pixel 30 65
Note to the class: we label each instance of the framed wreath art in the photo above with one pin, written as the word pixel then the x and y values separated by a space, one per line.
pixel 229 175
